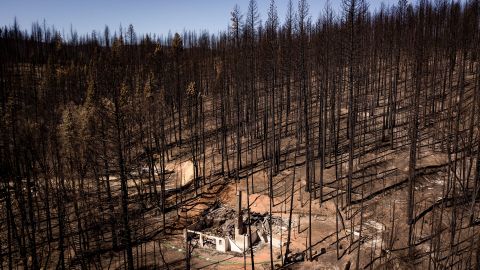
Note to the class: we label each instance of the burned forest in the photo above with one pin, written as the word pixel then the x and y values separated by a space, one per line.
pixel 347 140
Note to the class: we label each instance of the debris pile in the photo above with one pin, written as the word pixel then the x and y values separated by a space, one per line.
pixel 220 221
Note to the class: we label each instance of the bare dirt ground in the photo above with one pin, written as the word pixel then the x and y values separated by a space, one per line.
pixel 378 218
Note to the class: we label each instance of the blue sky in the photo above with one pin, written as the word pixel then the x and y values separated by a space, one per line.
pixel 147 16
